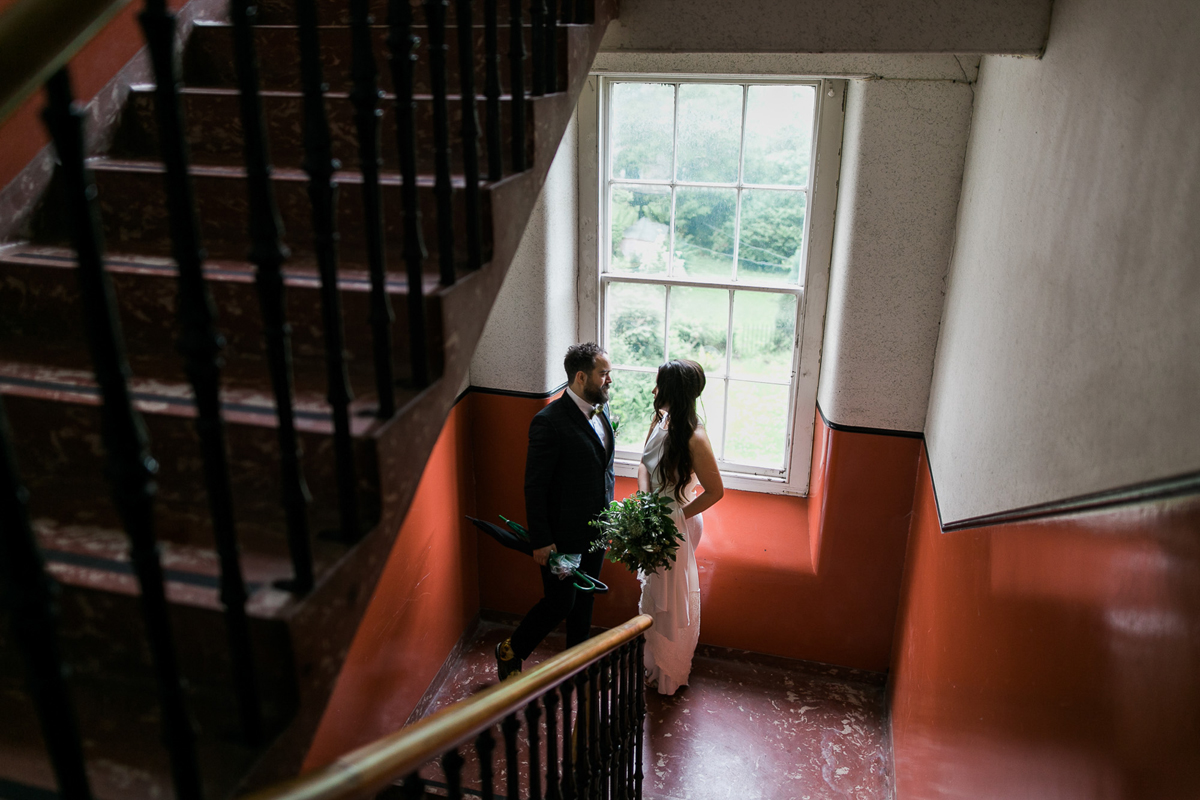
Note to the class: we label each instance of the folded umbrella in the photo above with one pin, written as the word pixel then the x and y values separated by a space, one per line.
pixel 515 537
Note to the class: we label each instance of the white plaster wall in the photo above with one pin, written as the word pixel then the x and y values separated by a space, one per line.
pixel 913 66
pixel 902 163
pixel 818 26
pixel 534 318
pixel 1069 360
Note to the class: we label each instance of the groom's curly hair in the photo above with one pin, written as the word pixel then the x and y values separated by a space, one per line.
pixel 581 358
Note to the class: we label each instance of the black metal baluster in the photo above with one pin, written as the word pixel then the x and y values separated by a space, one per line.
pixel 606 721
pixel 322 193
pixel 201 344
pixel 583 772
pixel 27 593
pixel 553 791
pixel 533 713
pixel 130 467
pixel 402 47
pixel 595 764
pixel 617 759
pixel 491 46
pixel 639 717
pixel 365 95
pixel 512 766
pixel 550 49
pixel 630 673
pixel 485 745
pixel 537 20
pixel 470 132
pixel 413 787
pixel 268 254
pixel 568 770
pixel 452 764
pixel 435 19
pixel 516 65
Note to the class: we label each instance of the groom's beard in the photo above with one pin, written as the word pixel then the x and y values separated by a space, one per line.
pixel 596 395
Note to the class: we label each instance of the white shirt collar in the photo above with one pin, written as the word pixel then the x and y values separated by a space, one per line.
pixel 584 405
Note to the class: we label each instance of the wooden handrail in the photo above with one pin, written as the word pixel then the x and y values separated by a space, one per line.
pixel 38 36
pixel 371 768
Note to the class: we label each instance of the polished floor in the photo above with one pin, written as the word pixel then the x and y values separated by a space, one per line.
pixel 748 726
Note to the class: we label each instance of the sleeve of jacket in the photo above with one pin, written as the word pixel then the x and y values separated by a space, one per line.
pixel 540 464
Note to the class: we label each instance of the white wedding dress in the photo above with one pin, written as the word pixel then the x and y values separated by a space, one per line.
pixel 671 595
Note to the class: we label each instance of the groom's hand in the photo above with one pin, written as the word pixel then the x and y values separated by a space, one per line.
pixel 542 554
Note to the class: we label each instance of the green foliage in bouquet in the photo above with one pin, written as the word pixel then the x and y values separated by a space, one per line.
pixel 639 532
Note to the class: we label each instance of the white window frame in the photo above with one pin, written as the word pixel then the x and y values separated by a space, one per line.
pixel 811 292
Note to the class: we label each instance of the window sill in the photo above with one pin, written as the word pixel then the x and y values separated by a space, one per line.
pixel 627 468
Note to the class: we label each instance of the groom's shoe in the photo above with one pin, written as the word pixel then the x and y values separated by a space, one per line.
pixel 507 663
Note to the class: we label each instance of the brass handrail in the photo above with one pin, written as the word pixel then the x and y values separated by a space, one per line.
pixel 371 768
pixel 38 36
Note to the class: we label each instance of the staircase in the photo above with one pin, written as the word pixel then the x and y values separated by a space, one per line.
pixel 50 393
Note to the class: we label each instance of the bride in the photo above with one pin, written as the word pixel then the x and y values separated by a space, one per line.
pixel 676 459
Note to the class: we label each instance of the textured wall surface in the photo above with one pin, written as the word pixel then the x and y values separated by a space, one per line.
pixel 902 162
pixel 1053 659
pixel 1068 356
pixel 851 26
pixel 534 318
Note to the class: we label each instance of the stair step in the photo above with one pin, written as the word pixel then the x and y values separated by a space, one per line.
pixel 283 12
pixel 208 58
pixel 41 319
pixel 214 129
pixel 133 211
pixel 55 418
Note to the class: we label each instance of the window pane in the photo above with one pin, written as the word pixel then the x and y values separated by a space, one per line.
pixel 764 333
pixel 757 424
pixel 710 131
pixel 711 410
pixel 704 232
pixel 699 322
pixel 640 234
pixel 631 399
pixel 643 116
pixel 772 231
pixel 779 125
pixel 635 324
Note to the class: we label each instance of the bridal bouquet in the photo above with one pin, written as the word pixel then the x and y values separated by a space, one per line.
pixel 639 532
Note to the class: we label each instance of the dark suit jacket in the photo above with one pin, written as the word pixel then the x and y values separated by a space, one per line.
pixel 568 477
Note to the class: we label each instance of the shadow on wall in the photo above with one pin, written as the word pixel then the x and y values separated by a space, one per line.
pixel 1051 658
pixel 427 595
pixel 816 578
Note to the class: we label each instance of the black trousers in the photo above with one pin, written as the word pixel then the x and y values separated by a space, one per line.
pixel 560 601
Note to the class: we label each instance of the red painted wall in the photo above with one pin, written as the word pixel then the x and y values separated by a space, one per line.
pixel 425 599
pixel 816 578
pixel 1050 659
pixel 22 135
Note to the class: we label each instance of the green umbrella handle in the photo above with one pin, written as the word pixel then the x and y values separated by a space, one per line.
pixel 589 584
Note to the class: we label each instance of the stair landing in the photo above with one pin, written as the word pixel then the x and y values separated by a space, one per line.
pixel 748 727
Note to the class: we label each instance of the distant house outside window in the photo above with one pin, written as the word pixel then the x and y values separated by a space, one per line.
pixel 706 198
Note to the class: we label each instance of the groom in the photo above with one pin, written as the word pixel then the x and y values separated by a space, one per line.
pixel 568 482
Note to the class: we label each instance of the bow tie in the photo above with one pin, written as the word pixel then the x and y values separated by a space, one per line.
pixel 596 409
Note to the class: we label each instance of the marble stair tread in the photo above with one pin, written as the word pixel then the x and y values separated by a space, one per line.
pixel 208 56
pixel 59 446
pixel 132 200
pixel 213 130
pixel 41 318
pixel 121 730
pixel 98 558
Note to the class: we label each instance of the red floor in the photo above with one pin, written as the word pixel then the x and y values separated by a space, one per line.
pixel 749 727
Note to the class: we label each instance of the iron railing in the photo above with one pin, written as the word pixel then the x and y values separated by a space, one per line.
pixel 37 39
pixel 583 710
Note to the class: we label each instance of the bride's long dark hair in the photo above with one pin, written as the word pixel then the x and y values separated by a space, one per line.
pixel 680 383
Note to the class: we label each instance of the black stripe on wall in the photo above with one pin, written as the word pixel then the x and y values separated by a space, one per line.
pixel 873 431
pixel 510 392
